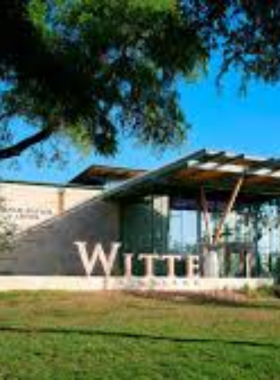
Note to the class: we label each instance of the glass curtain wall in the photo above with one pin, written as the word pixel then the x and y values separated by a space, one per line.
pixel 250 240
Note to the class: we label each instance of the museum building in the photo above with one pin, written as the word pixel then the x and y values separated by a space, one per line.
pixel 205 203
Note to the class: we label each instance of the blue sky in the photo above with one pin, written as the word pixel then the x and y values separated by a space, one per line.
pixel 222 121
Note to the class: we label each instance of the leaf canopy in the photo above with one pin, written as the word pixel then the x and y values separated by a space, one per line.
pixel 93 70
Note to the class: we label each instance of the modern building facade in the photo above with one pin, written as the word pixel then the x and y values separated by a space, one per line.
pixel 221 207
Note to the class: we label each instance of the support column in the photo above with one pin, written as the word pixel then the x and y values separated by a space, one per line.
pixel 228 209
pixel 248 264
pixel 242 263
pixel 211 260
pixel 205 213
pixel 60 201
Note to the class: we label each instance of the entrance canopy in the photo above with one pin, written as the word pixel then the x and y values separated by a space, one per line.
pixel 206 202
pixel 217 172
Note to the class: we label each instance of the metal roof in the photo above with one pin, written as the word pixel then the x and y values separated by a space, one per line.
pixel 62 186
pixel 99 174
pixel 215 171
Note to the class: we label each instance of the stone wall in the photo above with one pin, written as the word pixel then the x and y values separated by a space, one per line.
pixel 48 220
pixel 27 205
pixel 162 284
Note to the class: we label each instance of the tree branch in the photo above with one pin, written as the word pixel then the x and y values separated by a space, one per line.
pixel 16 149
pixel 6 115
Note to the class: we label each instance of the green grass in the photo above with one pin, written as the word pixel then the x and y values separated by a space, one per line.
pixel 120 336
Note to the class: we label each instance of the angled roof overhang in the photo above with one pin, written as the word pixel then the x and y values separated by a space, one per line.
pixel 216 172
pixel 100 174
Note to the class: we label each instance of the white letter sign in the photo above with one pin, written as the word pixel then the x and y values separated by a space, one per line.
pixel 107 261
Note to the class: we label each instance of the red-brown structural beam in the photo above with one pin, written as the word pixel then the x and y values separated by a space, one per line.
pixel 228 209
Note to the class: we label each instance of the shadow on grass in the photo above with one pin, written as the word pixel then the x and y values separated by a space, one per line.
pixel 211 299
pixel 127 335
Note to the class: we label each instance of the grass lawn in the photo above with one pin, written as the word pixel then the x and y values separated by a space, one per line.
pixel 121 336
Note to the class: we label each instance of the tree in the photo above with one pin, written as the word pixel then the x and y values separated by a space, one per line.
pixel 7 229
pixel 244 32
pixel 92 70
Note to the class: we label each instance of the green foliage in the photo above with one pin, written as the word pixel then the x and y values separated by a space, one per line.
pixel 98 70
pixel 103 69
pixel 245 33
pixel 262 292
pixel 276 290
pixel 7 229
pixel 277 272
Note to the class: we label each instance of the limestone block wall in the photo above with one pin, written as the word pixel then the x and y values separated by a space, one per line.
pixel 27 205
pixel 49 220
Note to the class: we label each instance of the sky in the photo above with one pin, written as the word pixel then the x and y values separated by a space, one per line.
pixel 220 120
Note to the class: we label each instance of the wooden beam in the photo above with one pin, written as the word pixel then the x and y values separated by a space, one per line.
pixel 207 174
pixel 221 162
pixel 205 213
pixel 266 179
pixel 228 209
